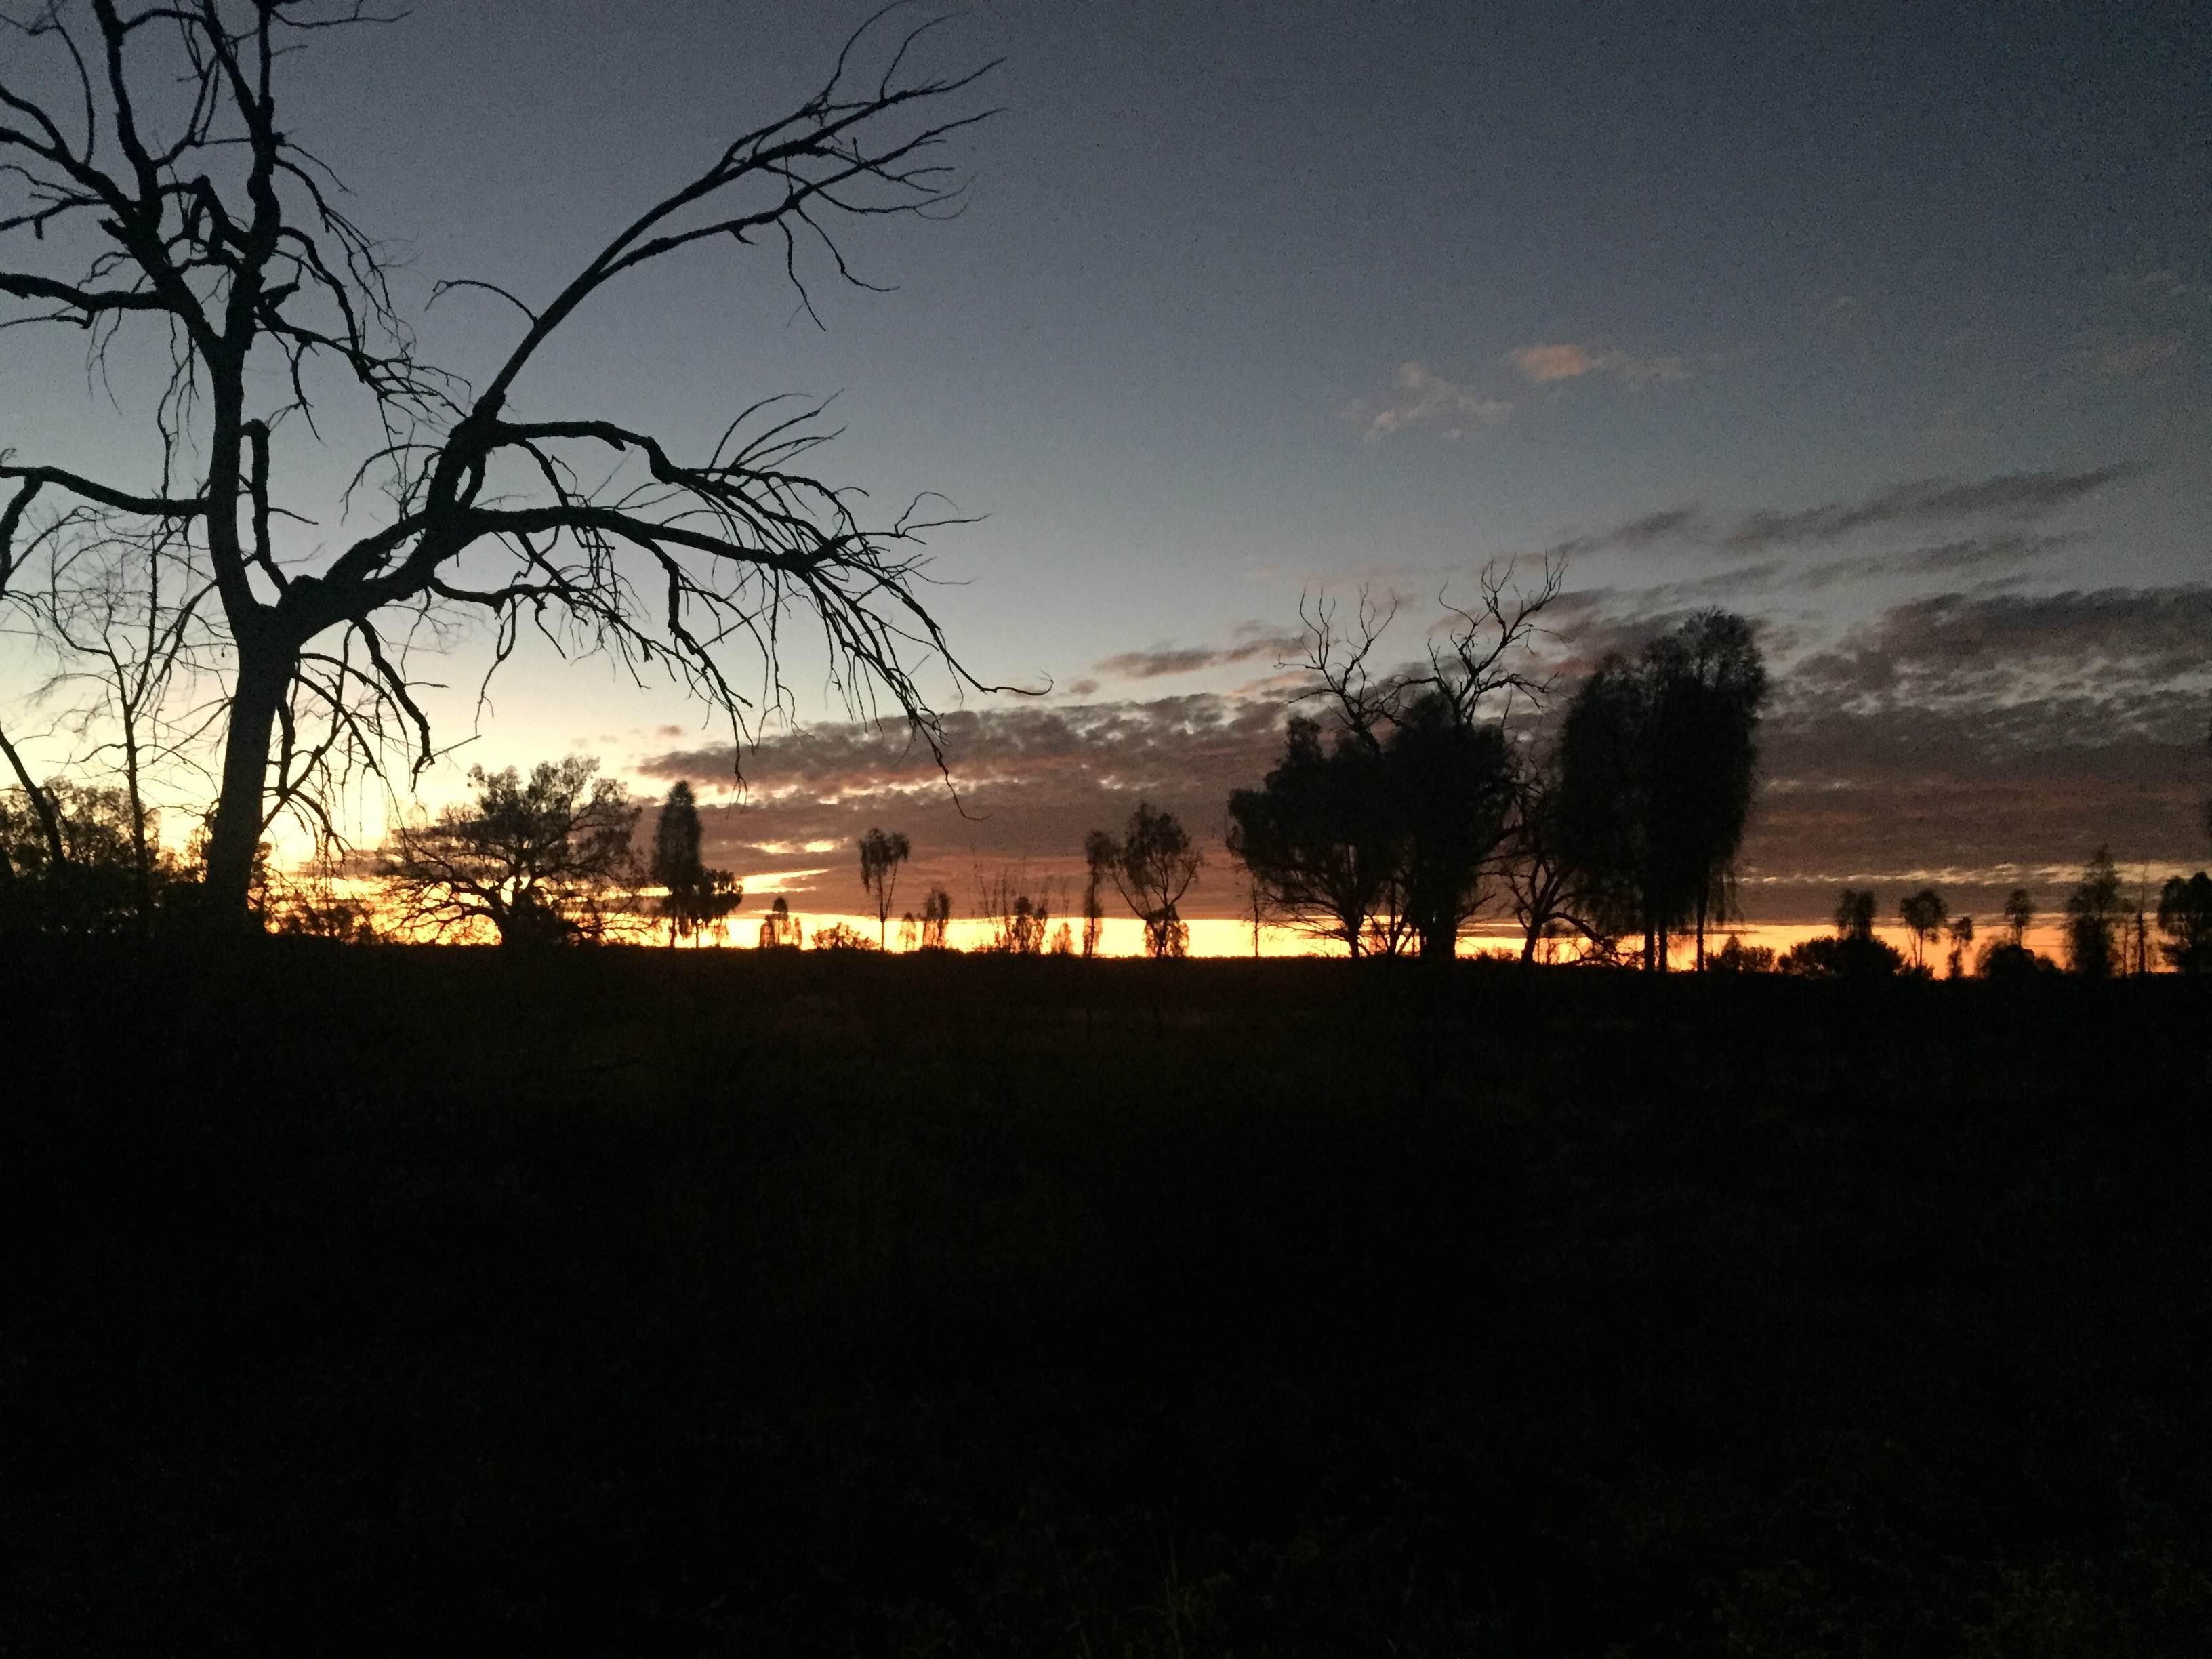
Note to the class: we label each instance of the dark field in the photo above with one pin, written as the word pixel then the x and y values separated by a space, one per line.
pixel 408 1301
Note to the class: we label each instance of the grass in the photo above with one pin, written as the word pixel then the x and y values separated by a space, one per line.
pixel 643 1302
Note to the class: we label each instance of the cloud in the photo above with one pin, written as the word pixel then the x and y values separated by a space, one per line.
pixel 1254 640
pixel 1026 782
pixel 1921 506
pixel 2128 359
pixel 2007 549
pixel 1919 503
pixel 1420 398
pixel 1980 739
pixel 1998 737
pixel 2127 650
pixel 1539 364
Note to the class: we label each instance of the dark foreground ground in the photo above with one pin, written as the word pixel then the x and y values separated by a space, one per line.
pixel 410 1302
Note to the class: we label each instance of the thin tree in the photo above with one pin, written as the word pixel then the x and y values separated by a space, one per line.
pixel 936 918
pixel 1923 914
pixel 1962 936
pixel 1097 853
pixel 166 196
pixel 2019 915
pixel 1152 866
pixel 880 858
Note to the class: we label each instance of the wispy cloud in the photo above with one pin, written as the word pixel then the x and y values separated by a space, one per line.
pixel 2127 359
pixel 2005 505
pixel 1031 779
pixel 1918 504
pixel 1540 364
pixel 1418 397
pixel 1254 640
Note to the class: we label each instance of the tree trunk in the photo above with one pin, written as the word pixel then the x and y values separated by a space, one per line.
pixel 234 844
pixel 1701 933
pixel 142 857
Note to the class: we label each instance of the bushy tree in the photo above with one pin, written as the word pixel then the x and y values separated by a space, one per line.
pixel 1318 837
pixel 1853 952
pixel 1737 958
pixel 2185 916
pixel 780 930
pixel 75 859
pixel 1381 828
pixel 2093 918
pixel 542 861
pixel 694 898
pixel 1450 789
pixel 1659 761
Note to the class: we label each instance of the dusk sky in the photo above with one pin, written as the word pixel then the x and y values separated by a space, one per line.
pixel 1884 326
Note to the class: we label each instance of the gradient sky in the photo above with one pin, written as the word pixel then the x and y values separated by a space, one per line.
pixel 1885 325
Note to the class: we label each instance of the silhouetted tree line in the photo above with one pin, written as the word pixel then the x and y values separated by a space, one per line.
pixel 1414 803
pixel 1389 822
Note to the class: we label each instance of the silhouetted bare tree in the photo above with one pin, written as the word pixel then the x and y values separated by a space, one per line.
pixel 1550 892
pixel 2019 915
pixel 1019 922
pixel 544 861
pixel 166 195
pixel 1385 833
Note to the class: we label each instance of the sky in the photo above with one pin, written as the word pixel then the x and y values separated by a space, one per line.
pixel 1886 326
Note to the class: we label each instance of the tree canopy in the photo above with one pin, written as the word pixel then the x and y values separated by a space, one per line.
pixel 1658 762
pixel 541 861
